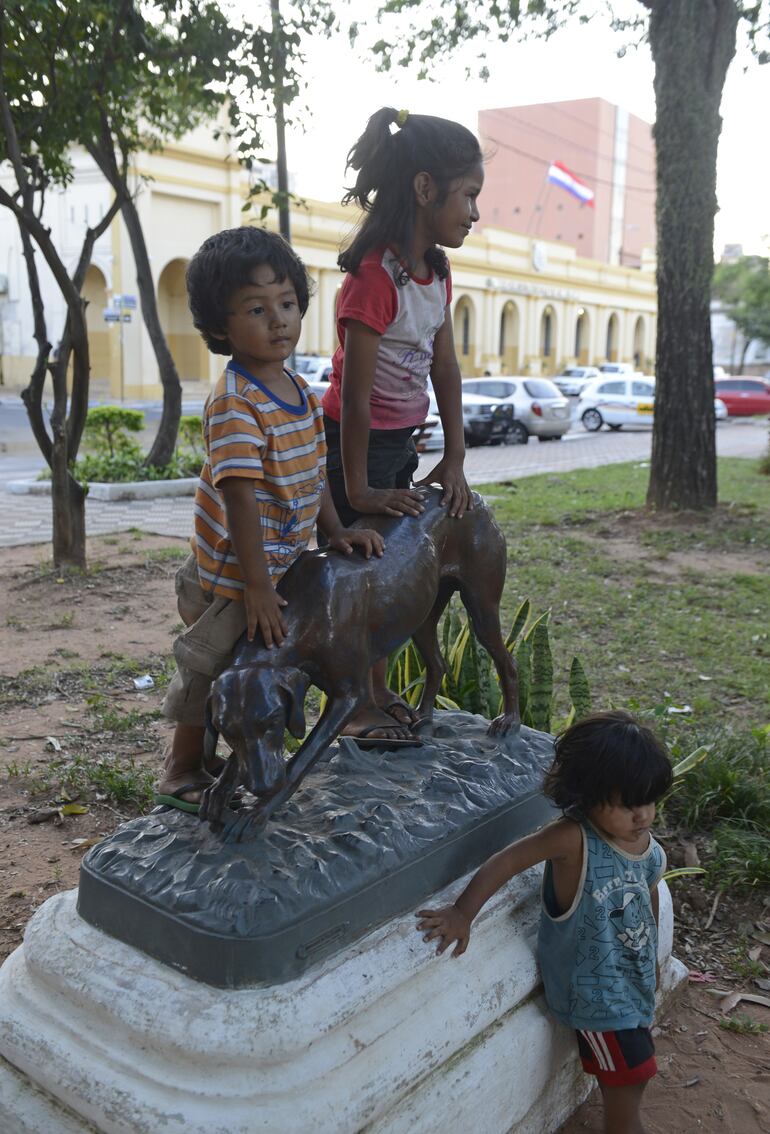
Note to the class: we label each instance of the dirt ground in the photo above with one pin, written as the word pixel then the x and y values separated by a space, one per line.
pixel 80 745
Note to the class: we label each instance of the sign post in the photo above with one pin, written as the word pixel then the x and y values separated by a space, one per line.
pixel 122 306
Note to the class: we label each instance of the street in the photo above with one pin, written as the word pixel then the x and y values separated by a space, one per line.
pixel 27 519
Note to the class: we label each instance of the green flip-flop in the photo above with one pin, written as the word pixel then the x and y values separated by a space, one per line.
pixel 173 799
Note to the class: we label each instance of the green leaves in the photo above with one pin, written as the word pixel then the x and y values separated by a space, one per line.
pixel 471 682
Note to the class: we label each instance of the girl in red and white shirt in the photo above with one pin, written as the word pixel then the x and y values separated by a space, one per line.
pixel 417 184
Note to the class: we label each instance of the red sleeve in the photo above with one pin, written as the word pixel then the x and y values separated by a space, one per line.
pixel 369 296
pixel 448 282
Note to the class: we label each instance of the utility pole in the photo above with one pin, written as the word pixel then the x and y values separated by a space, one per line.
pixel 279 69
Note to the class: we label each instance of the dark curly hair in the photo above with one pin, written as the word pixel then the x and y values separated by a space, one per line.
pixel 607 756
pixel 387 163
pixel 224 263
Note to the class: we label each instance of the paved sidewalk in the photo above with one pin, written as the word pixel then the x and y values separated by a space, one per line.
pixel 27 519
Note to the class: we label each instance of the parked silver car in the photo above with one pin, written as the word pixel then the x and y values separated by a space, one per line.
pixel 573 379
pixel 539 410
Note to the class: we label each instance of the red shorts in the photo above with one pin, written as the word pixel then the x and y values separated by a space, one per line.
pixel 618 1059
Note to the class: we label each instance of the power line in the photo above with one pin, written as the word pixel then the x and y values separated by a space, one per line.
pixel 580 173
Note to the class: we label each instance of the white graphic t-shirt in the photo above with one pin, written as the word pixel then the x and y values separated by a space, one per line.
pixel 407 315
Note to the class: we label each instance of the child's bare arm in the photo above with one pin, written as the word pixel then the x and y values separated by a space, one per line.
pixel 655 903
pixel 447 382
pixel 345 539
pixel 361 346
pixel 261 600
pixel 558 841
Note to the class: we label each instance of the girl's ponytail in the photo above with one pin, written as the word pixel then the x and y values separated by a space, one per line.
pixel 371 157
pixel 393 149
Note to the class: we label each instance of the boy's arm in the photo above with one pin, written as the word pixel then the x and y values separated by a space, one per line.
pixel 447 382
pixel 345 539
pixel 261 600
pixel 558 841
pixel 361 347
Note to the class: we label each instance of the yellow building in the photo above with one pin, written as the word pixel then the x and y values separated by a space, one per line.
pixel 520 304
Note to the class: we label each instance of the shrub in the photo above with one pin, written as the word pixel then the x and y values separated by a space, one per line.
pixel 471 682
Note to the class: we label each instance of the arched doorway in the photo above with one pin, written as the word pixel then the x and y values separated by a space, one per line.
pixel 187 347
pixel 611 346
pixel 639 343
pixel 548 340
pixel 465 332
pixel 95 292
pixel 582 337
pixel 508 346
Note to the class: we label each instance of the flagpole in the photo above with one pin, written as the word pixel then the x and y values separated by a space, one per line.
pixel 537 202
pixel 542 210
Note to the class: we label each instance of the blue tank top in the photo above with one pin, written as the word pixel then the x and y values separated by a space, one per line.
pixel 598 957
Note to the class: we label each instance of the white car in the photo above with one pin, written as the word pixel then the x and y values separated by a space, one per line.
pixel 617 368
pixel 539 410
pixel 312 367
pixel 573 379
pixel 623 401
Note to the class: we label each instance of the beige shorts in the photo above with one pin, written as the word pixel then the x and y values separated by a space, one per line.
pixel 204 649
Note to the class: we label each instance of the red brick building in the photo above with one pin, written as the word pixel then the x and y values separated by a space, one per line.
pixel 604 146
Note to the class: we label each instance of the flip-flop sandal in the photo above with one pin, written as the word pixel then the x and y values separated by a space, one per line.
pixel 366 740
pixel 404 708
pixel 174 800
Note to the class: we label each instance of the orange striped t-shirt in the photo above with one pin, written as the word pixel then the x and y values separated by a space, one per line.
pixel 249 432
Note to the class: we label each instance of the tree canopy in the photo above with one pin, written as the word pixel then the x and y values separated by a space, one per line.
pixel 118 77
pixel 743 289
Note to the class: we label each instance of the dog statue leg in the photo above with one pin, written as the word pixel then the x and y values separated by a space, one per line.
pixel 217 796
pixel 485 620
pixel 425 639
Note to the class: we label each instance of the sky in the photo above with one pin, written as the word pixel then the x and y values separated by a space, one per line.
pixel 578 62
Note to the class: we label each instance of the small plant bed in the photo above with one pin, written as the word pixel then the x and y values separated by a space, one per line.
pixel 112 455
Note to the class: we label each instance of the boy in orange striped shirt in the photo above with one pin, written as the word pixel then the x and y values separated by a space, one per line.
pixel 262 487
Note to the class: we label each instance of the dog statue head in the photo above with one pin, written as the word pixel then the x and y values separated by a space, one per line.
pixel 251 706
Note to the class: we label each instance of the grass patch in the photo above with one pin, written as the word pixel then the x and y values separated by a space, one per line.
pixel 646 629
pixel 743 1024
pixel 167 554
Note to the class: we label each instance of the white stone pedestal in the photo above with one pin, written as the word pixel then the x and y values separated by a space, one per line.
pixel 384 1038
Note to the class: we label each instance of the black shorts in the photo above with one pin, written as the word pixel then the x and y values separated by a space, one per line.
pixel 620 1058
pixel 390 463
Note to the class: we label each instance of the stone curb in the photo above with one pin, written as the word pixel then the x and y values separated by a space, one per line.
pixel 132 490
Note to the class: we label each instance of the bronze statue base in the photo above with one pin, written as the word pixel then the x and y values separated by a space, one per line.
pixel 369 835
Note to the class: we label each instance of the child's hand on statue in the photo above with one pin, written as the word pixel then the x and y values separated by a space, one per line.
pixel 448 925
pixel 366 540
pixel 263 612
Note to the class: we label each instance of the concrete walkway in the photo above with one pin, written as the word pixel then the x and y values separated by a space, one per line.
pixel 27 519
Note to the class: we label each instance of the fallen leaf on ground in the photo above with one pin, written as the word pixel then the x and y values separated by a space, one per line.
pixel 44 816
pixel 700 978
pixel 73 809
pixel 53 743
pixel 84 844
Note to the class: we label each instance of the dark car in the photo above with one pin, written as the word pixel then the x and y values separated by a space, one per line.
pixel 743 396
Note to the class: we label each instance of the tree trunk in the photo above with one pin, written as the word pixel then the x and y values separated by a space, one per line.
pixel 68 498
pixel 744 352
pixel 692 44
pixel 165 440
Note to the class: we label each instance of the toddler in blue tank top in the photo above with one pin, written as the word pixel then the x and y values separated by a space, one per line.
pixel 597 943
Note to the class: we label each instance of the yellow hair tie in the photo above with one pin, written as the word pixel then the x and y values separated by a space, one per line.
pixel 401 118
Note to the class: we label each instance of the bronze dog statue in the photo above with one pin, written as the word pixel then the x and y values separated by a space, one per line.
pixel 343 614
